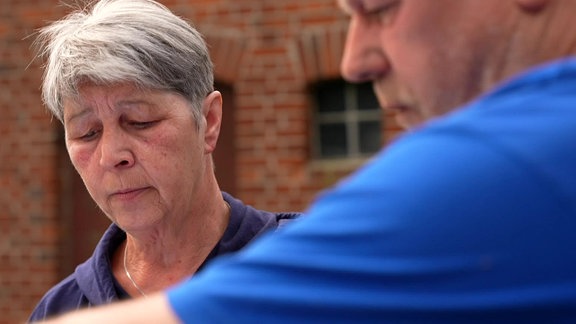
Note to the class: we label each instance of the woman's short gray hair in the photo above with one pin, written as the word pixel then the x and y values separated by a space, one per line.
pixel 138 41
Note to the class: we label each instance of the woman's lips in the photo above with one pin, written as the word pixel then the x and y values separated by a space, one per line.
pixel 128 194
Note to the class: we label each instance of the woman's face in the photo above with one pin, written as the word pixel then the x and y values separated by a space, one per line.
pixel 140 153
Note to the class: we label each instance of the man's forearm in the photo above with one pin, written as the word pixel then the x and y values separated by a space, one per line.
pixel 154 309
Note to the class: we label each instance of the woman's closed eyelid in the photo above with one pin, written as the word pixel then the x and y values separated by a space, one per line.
pixel 89 135
pixel 142 124
pixel 79 127
pixel 84 136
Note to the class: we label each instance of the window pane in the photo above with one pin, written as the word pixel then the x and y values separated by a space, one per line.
pixel 365 97
pixel 330 96
pixel 369 137
pixel 333 140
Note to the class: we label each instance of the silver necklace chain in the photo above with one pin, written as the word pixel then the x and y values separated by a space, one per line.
pixel 128 272
pixel 129 276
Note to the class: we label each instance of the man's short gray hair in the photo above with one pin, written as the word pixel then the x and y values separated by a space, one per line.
pixel 138 41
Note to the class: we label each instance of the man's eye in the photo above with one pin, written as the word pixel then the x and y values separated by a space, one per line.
pixel 384 11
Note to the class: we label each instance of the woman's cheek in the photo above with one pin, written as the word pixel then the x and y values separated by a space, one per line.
pixel 79 156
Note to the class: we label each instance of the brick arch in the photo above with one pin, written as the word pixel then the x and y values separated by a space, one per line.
pixel 226 52
pixel 320 52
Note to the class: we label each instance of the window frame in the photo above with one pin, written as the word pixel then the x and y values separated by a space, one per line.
pixel 351 117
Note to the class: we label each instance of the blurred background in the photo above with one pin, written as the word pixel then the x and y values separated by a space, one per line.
pixel 292 127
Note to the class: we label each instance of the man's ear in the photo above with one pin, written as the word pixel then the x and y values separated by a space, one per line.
pixel 532 5
pixel 212 111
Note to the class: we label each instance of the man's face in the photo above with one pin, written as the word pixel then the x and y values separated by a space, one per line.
pixel 426 57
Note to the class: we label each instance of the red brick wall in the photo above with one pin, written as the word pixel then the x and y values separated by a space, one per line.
pixel 28 161
pixel 271 51
pixel 267 51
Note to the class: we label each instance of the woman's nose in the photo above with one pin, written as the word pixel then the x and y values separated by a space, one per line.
pixel 115 150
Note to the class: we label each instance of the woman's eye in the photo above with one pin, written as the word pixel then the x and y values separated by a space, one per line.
pixel 142 125
pixel 89 135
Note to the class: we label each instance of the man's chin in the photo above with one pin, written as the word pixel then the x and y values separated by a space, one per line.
pixel 408 120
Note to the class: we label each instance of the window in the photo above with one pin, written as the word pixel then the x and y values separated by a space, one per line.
pixel 347 121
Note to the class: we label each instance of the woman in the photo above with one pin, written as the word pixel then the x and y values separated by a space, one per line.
pixel 133 86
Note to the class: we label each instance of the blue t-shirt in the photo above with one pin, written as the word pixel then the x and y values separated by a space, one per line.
pixel 471 218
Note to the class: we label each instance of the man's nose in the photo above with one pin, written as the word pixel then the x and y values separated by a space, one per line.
pixel 115 149
pixel 364 58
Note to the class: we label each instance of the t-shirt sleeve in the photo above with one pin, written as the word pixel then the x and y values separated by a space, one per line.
pixel 438 228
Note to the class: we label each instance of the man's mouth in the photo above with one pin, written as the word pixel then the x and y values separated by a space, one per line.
pixel 396 108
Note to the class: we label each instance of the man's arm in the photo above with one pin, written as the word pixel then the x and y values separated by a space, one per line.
pixel 154 309
pixel 449 225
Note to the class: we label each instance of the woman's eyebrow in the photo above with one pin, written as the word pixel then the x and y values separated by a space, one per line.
pixel 82 112
pixel 131 103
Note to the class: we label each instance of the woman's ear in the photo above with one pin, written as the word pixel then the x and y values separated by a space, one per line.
pixel 212 111
pixel 532 5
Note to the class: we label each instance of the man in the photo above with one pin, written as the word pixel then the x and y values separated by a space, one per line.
pixel 468 218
